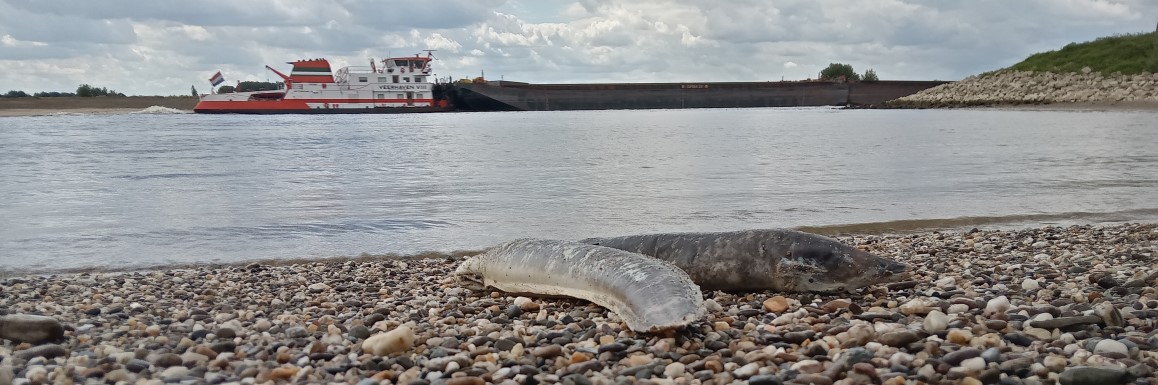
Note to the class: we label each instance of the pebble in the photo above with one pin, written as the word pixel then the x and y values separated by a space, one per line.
pixel 764 379
pixel 960 336
pixel 1086 375
pixel 548 351
pixel 398 340
pixel 526 304
pixel 991 355
pixel 45 351
pixel 746 371
pixel 899 338
pixel 955 358
pixel 935 321
pixel 1064 322
pixel 997 305
pixel 777 304
pixel 1112 347
pixel 674 370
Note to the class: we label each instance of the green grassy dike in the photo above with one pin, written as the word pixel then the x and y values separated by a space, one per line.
pixel 1127 54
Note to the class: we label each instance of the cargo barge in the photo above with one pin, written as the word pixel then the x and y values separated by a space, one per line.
pixel 407 85
pixel 517 96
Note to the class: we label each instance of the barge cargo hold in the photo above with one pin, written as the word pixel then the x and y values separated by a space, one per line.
pixel 516 96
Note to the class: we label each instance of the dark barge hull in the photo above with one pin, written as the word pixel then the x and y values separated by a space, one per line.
pixel 515 96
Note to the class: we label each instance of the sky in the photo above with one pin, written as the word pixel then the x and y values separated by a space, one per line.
pixel 162 47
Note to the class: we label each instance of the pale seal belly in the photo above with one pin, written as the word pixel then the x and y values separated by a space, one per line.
pixel 650 295
pixel 773 259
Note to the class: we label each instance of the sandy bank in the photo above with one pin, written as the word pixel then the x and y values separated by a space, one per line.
pixel 47 106
pixel 1076 304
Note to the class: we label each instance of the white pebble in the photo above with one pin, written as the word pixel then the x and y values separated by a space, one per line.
pixel 1030 284
pixel 957 308
pixel 973 365
pixel 526 304
pixel 918 306
pixel 1111 346
pixel 395 341
pixel 712 306
pixel 748 370
pixel 997 305
pixel 944 282
pixel 1079 357
pixel 1039 333
pixel 808 366
pixel 673 370
pixel 1055 363
pixel 901 359
pixel 936 321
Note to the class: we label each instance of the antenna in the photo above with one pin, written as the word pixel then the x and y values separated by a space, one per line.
pixel 430 53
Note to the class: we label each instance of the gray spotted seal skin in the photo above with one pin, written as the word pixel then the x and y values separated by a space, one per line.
pixel 771 259
pixel 648 294
pixel 30 328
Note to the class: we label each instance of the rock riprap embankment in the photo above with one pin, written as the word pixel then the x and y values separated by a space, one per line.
pixel 1021 87
pixel 1069 305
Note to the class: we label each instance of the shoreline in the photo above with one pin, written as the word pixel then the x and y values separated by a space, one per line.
pixel 37 106
pixel 999 105
pixel 1032 306
pixel 1067 106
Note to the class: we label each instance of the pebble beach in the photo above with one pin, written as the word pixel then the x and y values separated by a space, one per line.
pixel 1047 305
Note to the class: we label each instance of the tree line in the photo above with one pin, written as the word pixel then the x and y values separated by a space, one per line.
pixel 84 90
pixel 841 71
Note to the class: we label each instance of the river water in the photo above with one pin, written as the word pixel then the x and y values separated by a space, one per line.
pixel 126 191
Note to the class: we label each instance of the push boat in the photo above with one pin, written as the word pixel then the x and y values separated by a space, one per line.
pixel 401 85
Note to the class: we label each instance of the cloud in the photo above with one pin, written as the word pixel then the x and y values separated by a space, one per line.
pixel 154 47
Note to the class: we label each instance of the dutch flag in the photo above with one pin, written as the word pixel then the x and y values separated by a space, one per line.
pixel 217 79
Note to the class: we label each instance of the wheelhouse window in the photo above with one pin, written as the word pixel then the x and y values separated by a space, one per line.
pixel 362 79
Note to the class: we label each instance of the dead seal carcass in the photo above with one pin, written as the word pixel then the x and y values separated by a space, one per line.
pixel 774 259
pixel 648 294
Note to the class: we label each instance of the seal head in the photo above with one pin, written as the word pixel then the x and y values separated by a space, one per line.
pixel 816 263
pixel 469 274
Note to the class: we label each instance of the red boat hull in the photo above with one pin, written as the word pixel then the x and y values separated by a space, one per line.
pixel 297 106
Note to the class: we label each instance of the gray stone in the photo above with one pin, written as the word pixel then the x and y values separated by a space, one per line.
pixel 46 351
pixel 1063 322
pixel 899 338
pixel 764 379
pixel 137 365
pixel 956 357
pixel 1088 375
pixel 857 355
pixel 991 355
pixel 168 359
pixel 360 332
pixel 225 333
